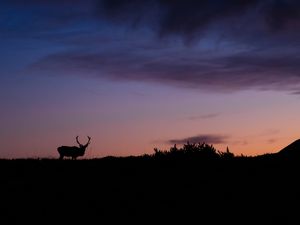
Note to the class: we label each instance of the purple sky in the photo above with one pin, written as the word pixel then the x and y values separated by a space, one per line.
pixel 135 75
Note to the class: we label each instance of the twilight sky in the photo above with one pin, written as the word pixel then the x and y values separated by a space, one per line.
pixel 135 75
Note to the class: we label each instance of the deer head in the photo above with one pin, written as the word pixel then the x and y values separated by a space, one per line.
pixel 81 145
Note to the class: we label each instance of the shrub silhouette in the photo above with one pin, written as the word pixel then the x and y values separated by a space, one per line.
pixel 227 154
pixel 199 150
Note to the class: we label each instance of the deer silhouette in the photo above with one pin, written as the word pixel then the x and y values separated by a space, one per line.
pixel 73 151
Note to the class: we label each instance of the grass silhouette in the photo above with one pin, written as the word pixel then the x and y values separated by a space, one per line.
pixel 194 184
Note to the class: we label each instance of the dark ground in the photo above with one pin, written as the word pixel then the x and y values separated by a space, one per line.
pixel 145 190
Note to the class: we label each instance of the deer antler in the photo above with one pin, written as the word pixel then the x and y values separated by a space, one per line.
pixel 77 140
pixel 88 140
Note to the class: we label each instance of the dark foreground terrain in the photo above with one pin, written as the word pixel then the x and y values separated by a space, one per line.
pixel 157 189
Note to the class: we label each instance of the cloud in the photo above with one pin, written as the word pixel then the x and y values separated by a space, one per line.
pixel 272 140
pixel 232 45
pixel 207 138
pixel 191 18
pixel 240 71
pixel 204 116
pixel 188 19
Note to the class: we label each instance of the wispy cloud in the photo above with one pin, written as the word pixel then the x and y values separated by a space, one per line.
pixel 207 138
pixel 204 116
pixel 272 140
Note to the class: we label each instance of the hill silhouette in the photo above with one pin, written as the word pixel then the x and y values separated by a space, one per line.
pixel 291 151
pixel 193 184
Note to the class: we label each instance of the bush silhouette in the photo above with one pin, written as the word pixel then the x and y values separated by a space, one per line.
pixel 197 150
pixel 227 154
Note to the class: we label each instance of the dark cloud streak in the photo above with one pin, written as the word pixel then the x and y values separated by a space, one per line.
pixel 217 74
pixel 207 138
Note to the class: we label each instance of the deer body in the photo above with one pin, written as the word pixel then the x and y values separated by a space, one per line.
pixel 73 151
